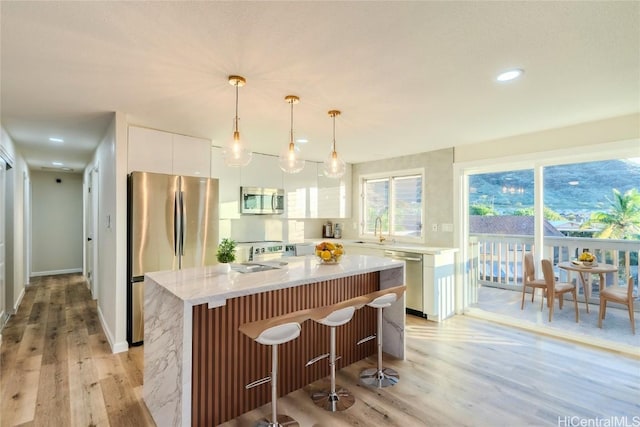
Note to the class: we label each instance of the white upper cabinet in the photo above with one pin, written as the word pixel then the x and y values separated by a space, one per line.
pixel 301 192
pixel 334 195
pixel 191 156
pixel 262 171
pixel 228 185
pixel 151 150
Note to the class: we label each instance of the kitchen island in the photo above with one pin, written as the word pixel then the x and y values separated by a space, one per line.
pixel 196 362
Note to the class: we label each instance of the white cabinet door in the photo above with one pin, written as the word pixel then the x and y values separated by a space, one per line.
pixel 439 286
pixel 356 249
pixel 150 150
pixel 262 171
pixel 191 156
pixel 334 196
pixel 301 192
pixel 228 184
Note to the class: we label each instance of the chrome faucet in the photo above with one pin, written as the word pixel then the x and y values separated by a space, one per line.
pixel 375 228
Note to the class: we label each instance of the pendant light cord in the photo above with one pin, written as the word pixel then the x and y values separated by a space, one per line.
pixel 236 120
pixel 334 133
pixel 291 140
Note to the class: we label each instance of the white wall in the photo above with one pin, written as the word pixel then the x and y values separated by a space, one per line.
pixel 438 202
pixel 624 128
pixel 15 227
pixel 56 223
pixel 110 159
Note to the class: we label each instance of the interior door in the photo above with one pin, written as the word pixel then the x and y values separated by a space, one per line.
pixel 3 309
pixel 199 221
pixel 89 232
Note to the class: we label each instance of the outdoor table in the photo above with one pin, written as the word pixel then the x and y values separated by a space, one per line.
pixel 583 270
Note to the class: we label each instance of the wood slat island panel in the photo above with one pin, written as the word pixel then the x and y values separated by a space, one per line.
pixel 225 360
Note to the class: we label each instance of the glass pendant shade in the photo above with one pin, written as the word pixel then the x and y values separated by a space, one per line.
pixel 236 152
pixel 289 159
pixel 333 166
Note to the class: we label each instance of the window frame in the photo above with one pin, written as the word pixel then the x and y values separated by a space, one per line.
pixel 390 175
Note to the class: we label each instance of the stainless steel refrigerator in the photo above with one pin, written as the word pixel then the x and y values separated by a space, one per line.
pixel 172 224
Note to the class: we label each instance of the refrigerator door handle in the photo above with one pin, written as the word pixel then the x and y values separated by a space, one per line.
pixel 175 223
pixel 182 214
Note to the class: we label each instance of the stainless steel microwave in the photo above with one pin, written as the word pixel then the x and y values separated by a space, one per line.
pixel 261 201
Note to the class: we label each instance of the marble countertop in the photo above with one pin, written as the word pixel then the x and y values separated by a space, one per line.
pixel 389 245
pixel 208 285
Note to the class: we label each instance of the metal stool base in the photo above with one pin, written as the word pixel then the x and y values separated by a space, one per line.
pixel 373 377
pixel 283 421
pixel 339 401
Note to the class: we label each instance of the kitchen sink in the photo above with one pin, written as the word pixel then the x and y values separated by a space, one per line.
pixel 253 267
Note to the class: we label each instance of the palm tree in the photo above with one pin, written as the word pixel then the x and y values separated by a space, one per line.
pixel 622 220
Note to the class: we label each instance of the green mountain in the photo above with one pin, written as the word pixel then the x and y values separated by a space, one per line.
pixel 578 188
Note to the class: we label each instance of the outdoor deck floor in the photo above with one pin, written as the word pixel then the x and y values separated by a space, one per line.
pixel 504 306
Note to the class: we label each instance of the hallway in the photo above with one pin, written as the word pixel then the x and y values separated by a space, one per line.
pixel 56 367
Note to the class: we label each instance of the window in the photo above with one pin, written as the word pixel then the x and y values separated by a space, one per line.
pixel 396 201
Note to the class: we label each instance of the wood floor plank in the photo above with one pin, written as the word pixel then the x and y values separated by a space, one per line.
pixel 53 402
pixel 21 391
pixel 88 408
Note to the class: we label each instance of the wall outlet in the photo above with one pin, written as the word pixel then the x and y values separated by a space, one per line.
pixel 434 227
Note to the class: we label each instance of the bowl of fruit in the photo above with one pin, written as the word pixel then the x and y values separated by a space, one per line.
pixel 587 259
pixel 329 253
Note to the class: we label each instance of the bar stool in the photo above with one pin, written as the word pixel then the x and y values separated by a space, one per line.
pixel 381 376
pixel 273 332
pixel 335 398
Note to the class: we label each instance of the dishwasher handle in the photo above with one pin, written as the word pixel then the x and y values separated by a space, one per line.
pixel 394 255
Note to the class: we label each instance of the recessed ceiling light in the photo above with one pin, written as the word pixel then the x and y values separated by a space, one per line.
pixel 52 139
pixel 509 75
pixel 302 140
pixel 57 163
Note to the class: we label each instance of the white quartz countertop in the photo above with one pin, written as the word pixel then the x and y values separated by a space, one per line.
pixel 207 285
pixel 389 245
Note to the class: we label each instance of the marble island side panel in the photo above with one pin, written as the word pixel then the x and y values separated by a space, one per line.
pixel 167 349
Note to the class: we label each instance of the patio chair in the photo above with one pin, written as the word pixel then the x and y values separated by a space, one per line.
pixel 557 289
pixel 621 296
pixel 529 280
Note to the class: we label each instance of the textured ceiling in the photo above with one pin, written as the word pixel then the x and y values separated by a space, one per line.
pixel 409 77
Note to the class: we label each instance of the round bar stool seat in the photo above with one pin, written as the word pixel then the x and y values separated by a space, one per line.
pixel 273 332
pixel 381 376
pixel 335 398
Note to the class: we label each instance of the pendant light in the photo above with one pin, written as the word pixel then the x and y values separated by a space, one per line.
pixel 236 152
pixel 289 160
pixel 334 166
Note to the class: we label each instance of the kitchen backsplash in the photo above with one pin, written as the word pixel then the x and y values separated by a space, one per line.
pixel 267 227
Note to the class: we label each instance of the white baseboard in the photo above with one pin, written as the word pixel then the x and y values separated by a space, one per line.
pixel 116 347
pixel 55 272
pixel 19 301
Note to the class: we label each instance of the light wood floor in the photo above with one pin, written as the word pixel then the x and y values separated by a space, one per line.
pixel 57 370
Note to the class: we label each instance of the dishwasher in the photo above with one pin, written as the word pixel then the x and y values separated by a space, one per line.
pixel 414 296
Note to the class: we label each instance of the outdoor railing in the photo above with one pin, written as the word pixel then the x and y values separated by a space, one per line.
pixel 498 259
